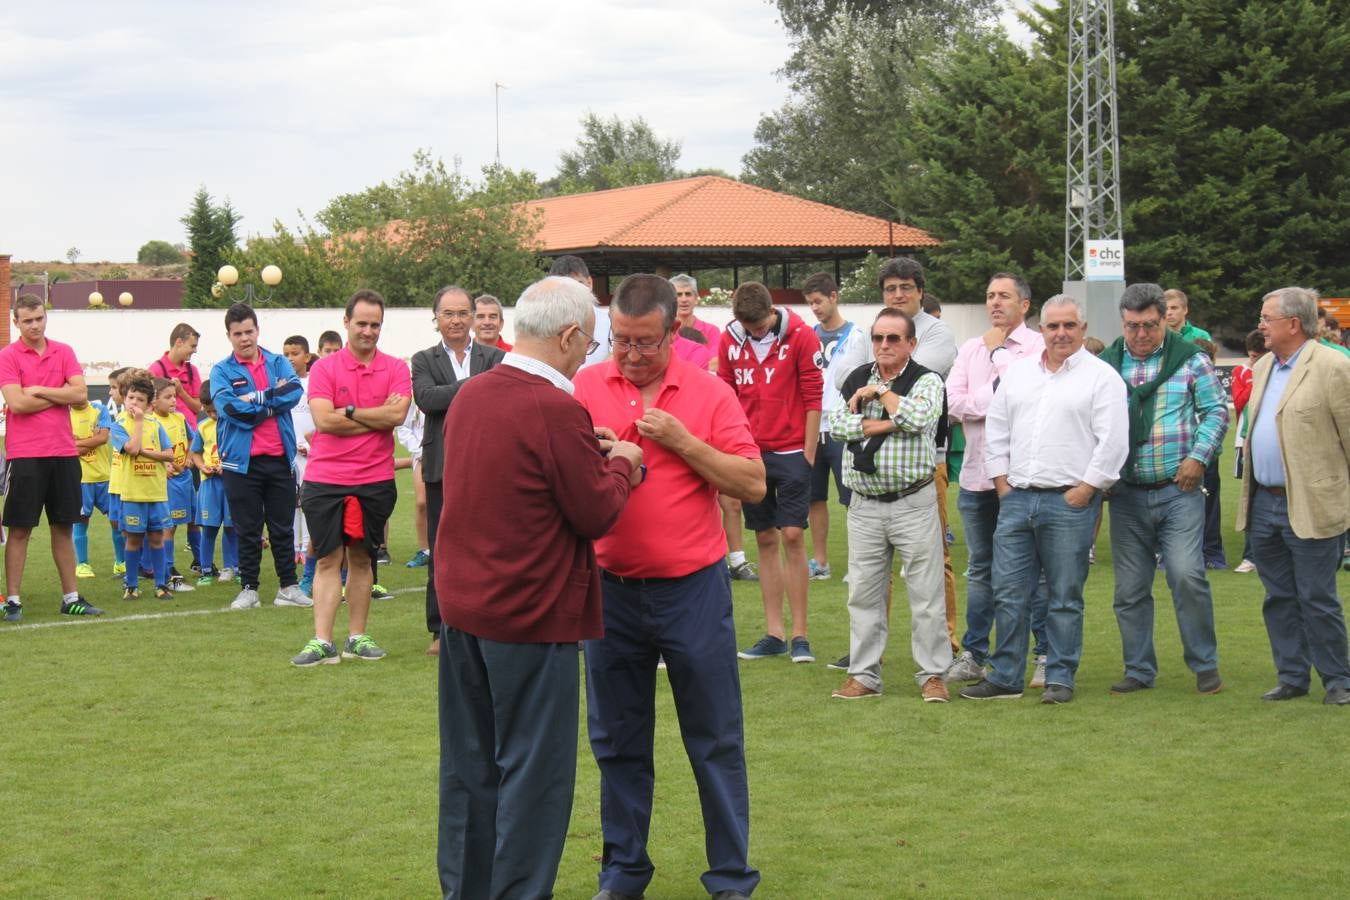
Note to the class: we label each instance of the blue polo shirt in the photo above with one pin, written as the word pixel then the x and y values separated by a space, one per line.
pixel 1263 443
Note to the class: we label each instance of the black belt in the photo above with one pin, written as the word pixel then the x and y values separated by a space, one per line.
pixel 1152 486
pixel 624 579
pixel 1272 489
pixel 1059 489
pixel 892 496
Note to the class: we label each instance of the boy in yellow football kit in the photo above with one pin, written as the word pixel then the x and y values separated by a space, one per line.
pixel 182 492
pixel 145 450
pixel 213 512
pixel 90 423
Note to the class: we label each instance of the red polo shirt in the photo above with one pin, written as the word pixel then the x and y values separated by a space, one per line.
pixel 355 458
pixel 45 433
pixel 672 525
pixel 187 376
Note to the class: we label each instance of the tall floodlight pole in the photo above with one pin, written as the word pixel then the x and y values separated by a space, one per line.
pixel 1094 263
pixel 497 116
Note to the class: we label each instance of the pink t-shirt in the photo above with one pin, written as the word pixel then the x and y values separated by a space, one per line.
pixel 696 354
pixel 187 376
pixel 671 525
pixel 355 458
pixel 266 435
pixel 45 433
pixel 709 331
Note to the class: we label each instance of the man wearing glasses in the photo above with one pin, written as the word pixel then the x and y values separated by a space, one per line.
pixel 438 373
pixel 888 414
pixel 1178 419
pixel 668 597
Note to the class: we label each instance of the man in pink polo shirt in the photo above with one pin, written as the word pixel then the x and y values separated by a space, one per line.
pixel 357 396
pixel 665 597
pixel 40 380
pixel 176 365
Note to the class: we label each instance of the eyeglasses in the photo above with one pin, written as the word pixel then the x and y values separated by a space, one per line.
pixel 1266 320
pixel 901 289
pixel 452 314
pixel 592 344
pixel 887 338
pixel 1143 326
pixel 623 347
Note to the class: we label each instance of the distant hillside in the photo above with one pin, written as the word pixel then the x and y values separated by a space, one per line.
pixel 60 270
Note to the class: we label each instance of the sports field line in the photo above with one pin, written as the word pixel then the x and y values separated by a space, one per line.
pixel 149 617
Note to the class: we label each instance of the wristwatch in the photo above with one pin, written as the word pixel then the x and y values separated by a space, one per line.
pixel 350 411
pixel 881 389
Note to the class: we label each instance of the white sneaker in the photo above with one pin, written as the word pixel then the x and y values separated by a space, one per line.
pixel 1038 677
pixel 1245 567
pixel 964 668
pixel 179 586
pixel 292 596
pixel 247 599
pixel 226 575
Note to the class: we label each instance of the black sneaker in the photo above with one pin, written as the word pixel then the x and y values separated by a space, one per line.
pixel 987 690
pixel 1057 693
pixel 841 664
pixel 195 569
pixel 382 557
pixel 79 607
pixel 13 611
pixel 1128 685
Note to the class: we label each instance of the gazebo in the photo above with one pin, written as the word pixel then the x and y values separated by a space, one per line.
pixel 709 222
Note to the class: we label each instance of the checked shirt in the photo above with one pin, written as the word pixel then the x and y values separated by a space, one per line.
pixel 1190 416
pixel 908 455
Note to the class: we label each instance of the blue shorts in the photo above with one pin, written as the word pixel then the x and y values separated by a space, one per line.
pixel 182 500
pixel 788 500
pixel 212 509
pixel 829 461
pixel 94 496
pixel 138 518
pixel 114 508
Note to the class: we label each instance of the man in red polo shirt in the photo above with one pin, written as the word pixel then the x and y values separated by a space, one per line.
pixel 176 365
pixel 668 598
pixel 487 323
pixel 357 396
pixel 40 380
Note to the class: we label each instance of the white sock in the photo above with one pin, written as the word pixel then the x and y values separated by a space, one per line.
pixel 71 597
pixel 14 598
pixel 736 557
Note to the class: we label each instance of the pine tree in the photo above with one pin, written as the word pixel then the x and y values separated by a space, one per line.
pixel 211 235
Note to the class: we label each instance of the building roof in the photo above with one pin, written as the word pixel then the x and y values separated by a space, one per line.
pixel 712 213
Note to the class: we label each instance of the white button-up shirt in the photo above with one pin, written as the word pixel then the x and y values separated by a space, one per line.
pixel 1049 429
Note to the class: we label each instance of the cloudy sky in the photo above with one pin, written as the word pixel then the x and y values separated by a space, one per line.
pixel 115 112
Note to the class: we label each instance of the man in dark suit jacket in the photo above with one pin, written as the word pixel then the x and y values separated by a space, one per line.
pixel 438 372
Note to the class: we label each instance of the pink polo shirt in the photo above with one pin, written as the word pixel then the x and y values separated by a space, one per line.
pixel 671 525
pixel 700 355
pixel 266 435
pixel 45 433
pixel 709 331
pixel 187 376
pixel 355 458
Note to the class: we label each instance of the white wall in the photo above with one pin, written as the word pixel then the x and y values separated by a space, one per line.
pixel 108 339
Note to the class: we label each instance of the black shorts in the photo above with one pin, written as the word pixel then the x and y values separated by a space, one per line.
pixel 324 504
pixel 50 482
pixel 788 499
pixel 829 460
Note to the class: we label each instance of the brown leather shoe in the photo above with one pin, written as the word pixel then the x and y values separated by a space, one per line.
pixel 935 690
pixel 853 689
pixel 435 648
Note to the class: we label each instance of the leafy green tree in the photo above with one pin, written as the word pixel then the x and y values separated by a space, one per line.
pixel 810 19
pixel 613 153
pixel 211 235
pixel 158 253
pixel 312 274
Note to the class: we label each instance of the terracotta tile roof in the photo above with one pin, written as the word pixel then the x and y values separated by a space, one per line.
pixel 708 211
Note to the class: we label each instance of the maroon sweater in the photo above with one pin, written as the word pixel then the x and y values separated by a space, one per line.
pixel 526 491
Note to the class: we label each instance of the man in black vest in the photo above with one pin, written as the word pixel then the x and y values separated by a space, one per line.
pixel 889 415
pixel 438 372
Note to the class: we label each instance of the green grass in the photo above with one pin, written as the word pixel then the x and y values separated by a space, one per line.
pixel 183 756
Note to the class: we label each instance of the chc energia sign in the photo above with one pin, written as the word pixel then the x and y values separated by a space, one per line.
pixel 1105 261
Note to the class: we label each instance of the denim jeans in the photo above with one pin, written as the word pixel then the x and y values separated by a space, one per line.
pixel 1171 521
pixel 1303 615
pixel 979 517
pixel 1040 530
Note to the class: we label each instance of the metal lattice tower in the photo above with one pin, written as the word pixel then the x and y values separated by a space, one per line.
pixel 1092 197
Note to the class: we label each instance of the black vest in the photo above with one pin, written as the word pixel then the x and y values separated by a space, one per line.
pixel 864 454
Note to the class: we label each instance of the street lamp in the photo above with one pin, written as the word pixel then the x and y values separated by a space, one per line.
pixel 228 276
pixel 95 300
pixel 124 298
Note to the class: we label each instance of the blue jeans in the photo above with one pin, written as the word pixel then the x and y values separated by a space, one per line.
pixel 1303 615
pixel 1039 530
pixel 979 517
pixel 1171 521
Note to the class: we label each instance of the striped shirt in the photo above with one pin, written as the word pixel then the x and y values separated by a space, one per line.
pixel 908 455
pixel 1190 416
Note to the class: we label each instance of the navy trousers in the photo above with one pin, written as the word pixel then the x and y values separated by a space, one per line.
pixel 688 621
pixel 508 717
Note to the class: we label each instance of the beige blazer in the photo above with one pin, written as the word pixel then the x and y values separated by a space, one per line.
pixel 1313 421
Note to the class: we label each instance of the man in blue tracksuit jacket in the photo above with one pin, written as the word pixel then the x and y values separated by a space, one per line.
pixel 253 391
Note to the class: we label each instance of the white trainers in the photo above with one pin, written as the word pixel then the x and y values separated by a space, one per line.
pixel 292 596
pixel 1038 677
pixel 226 575
pixel 247 599
pixel 178 585
pixel 1245 567
pixel 964 668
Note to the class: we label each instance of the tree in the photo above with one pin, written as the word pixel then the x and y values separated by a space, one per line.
pixel 613 153
pixel 72 254
pixel 211 235
pixel 810 19
pixel 158 253
pixel 312 275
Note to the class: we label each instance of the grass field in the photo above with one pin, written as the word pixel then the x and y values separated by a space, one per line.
pixel 170 750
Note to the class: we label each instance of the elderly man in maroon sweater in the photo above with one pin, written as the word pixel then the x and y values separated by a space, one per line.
pixel 518 586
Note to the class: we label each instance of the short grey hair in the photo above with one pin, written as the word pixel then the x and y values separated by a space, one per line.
pixel 683 280
pixel 1297 303
pixel 489 300
pixel 1142 297
pixel 1066 300
pixel 550 305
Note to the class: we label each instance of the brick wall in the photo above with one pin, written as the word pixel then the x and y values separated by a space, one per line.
pixel 4 299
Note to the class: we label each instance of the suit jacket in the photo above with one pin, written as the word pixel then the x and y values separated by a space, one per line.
pixel 434 389
pixel 1313 421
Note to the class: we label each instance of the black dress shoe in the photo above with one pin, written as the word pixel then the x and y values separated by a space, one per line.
pixel 1284 691
pixel 1337 696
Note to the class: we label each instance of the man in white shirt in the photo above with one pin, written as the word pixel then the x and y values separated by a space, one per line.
pixel 1056 436
pixel 575 268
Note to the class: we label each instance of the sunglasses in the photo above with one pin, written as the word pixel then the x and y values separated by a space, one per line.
pixel 887 338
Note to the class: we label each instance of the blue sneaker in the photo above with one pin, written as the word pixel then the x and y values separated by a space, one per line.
pixel 419 560
pixel 307 586
pixel 765 647
pixel 801 651
pixel 13 611
pixel 817 571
